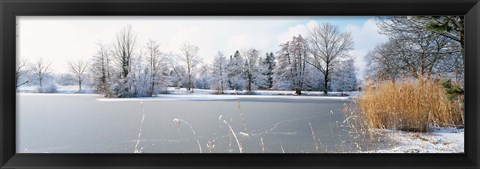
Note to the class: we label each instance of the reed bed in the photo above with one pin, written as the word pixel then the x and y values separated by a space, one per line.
pixel 410 105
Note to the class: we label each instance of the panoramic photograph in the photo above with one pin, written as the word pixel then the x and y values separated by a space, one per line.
pixel 240 84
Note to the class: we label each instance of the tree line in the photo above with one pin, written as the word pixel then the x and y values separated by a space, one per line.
pixel 319 62
pixel 423 46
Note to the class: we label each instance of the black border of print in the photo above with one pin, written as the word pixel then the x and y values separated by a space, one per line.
pixel 9 9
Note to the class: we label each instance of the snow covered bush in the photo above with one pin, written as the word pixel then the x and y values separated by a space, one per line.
pixel 49 88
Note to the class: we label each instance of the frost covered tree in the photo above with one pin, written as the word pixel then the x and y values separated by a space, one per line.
pixel 189 56
pixel 282 77
pixel 203 78
pixel 383 62
pixel 79 69
pixel 139 77
pixel 253 71
pixel 236 80
pixel 123 55
pixel 40 71
pixel 328 45
pixel 20 71
pixel 179 76
pixel 219 73
pixel 269 64
pixel 156 68
pixel 344 77
pixel 299 50
pixel 413 51
pixel 450 27
pixel 291 71
pixel 101 69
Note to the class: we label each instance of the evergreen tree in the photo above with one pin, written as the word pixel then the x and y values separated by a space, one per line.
pixel 269 63
pixel 235 72
pixel 253 71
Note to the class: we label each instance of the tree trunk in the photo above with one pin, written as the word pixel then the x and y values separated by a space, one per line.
pixel 41 85
pixel 298 91
pixel 189 81
pixel 152 88
pixel 249 82
pixel 189 76
pixel 221 83
pixel 79 84
pixel 325 82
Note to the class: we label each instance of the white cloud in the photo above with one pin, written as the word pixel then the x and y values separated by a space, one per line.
pixel 366 35
pixel 299 29
pixel 365 38
pixel 62 39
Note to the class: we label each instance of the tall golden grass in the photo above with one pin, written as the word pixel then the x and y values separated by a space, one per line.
pixel 411 105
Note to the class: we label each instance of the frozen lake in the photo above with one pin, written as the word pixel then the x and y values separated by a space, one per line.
pixel 88 123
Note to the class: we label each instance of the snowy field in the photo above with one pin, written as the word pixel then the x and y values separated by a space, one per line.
pixel 60 89
pixel 446 140
pixel 184 91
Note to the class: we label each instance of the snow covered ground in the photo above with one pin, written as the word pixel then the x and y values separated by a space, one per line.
pixel 200 93
pixel 183 91
pixel 211 97
pixel 440 140
pixel 60 89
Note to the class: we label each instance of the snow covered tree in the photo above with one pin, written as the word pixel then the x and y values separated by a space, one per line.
pixel 450 27
pixel 20 71
pixel 291 71
pixel 313 79
pixel 253 71
pixel 299 50
pixel 79 69
pixel 202 81
pixel 282 77
pixel 344 77
pixel 413 51
pixel 269 63
pixel 101 70
pixel 40 70
pixel 123 56
pixel 156 68
pixel 179 76
pixel 328 45
pixel 219 73
pixel 139 77
pixel 189 56
pixel 383 62
pixel 235 72
pixel 66 79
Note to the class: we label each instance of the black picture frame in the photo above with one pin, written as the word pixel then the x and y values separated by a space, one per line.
pixel 9 9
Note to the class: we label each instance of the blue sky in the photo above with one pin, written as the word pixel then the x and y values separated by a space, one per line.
pixel 59 39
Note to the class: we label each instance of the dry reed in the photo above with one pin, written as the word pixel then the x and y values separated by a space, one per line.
pixel 411 105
